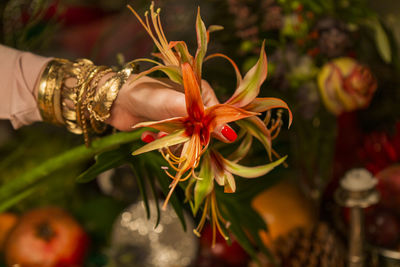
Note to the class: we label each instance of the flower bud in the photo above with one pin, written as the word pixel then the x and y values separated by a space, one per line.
pixel 346 85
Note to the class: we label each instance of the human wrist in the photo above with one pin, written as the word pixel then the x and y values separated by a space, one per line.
pixel 79 95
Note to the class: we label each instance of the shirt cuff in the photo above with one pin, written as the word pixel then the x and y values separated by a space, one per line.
pixel 28 69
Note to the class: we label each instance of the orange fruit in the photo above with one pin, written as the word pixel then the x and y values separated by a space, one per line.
pixel 7 223
pixel 284 208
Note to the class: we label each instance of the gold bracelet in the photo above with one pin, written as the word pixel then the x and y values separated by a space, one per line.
pixel 79 71
pixel 83 94
pixel 49 92
pixel 97 126
pixel 80 107
pixel 102 101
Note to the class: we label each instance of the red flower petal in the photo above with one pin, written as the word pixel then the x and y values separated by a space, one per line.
pixel 194 103
pixel 224 113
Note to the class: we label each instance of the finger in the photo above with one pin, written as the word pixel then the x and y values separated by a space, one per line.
pixel 148 136
pixel 154 100
pixel 224 133
pixel 208 95
pixel 121 119
pixel 161 134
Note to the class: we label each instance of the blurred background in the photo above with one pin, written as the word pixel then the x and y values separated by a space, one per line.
pixel 336 64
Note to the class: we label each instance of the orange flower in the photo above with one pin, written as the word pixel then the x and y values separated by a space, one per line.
pixel 193 132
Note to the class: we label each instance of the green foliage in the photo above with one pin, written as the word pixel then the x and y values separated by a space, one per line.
pixel 145 168
pixel 30 178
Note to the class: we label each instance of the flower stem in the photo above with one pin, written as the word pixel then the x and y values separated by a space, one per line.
pixel 66 159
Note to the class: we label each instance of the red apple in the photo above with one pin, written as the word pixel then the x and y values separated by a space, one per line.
pixel 389 187
pixel 46 237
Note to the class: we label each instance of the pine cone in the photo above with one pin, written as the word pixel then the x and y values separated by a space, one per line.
pixel 334 37
pixel 316 247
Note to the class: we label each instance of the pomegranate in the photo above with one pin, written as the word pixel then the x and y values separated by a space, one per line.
pixel 46 237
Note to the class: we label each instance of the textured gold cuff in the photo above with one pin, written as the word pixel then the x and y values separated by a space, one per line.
pixel 49 92
pixel 68 95
pixel 103 99
pixel 79 71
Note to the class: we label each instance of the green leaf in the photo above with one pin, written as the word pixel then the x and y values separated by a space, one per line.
pixel 142 187
pixel 202 41
pixel 249 88
pixel 105 161
pixel 230 214
pixel 381 40
pixel 253 224
pixel 252 172
pixel 154 163
pixel 205 185
pixel 155 195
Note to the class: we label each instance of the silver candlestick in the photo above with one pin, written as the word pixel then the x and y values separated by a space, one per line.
pixel 357 191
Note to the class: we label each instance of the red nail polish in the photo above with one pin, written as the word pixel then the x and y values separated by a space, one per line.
pixel 161 134
pixel 229 133
pixel 147 138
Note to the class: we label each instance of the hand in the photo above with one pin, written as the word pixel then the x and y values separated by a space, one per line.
pixel 149 99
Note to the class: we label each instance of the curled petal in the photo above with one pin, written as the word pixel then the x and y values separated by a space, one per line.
pixel 235 67
pixel 243 149
pixel 133 62
pixel 230 185
pixel 223 113
pixel 202 41
pixel 166 141
pixel 172 72
pixel 256 127
pixel 250 86
pixel 168 125
pixel 181 48
pixel 329 83
pixel 221 175
pixel 268 103
pixel 252 172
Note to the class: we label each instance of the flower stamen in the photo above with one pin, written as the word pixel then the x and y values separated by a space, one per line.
pixel 216 216
pixel 200 226
pixel 172 164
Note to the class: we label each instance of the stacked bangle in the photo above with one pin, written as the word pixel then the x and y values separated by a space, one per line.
pixel 49 93
pixel 68 95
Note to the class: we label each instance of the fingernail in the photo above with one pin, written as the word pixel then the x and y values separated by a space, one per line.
pixel 229 133
pixel 161 134
pixel 147 138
